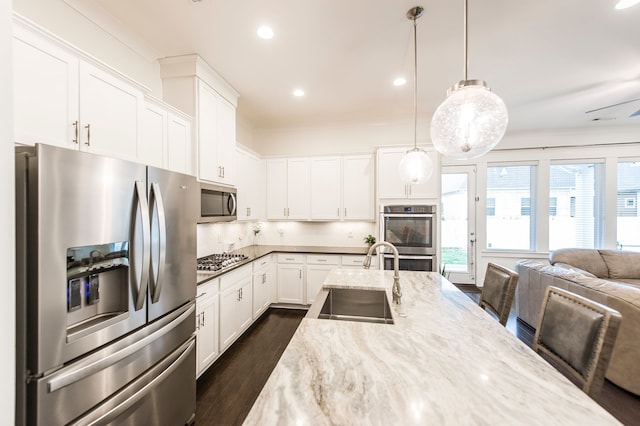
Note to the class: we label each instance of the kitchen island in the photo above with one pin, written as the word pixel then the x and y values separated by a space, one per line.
pixel 443 361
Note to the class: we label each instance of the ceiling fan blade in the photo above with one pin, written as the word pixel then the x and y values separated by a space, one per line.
pixel 613 105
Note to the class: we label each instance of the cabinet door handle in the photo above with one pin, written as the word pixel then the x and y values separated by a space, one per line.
pixel 202 318
pixel 300 273
pixel 409 186
pixel 248 211
pixel 200 295
pixel 88 127
pixel 222 171
pixel 345 212
pixel 264 278
pixel 284 211
pixel 198 322
pixel 75 131
pixel 338 212
pixel 322 260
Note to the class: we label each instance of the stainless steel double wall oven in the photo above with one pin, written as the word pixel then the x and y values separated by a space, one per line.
pixel 412 229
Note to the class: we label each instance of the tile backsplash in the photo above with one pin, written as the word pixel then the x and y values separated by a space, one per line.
pixel 228 236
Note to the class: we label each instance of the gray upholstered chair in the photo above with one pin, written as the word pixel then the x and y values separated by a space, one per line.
pixel 578 335
pixel 498 290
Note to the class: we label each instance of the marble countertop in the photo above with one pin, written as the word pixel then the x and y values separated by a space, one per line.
pixel 446 363
pixel 257 251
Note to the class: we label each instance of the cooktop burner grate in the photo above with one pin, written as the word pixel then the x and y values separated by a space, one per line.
pixel 219 261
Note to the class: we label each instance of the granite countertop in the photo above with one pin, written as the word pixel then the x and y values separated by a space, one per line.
pixel 446 363
pixel 257 251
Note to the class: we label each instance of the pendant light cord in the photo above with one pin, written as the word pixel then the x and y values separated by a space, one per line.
pixel 415 84
pixel 466 41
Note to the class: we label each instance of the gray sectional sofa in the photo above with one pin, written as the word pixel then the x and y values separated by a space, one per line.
pixel 607 276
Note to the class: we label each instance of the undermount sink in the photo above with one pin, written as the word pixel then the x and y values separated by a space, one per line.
pixel 353 305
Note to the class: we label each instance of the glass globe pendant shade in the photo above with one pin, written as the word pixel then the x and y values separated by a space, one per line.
pixel 470 122
pixel 415 167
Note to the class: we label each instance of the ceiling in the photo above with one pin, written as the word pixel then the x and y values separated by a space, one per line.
pixel 550 61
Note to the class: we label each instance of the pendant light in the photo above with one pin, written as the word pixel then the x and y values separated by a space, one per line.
pixel 416 166
pixel 472 119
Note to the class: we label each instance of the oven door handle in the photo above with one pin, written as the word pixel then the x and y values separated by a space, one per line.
pixel 408 215
pixel 404 256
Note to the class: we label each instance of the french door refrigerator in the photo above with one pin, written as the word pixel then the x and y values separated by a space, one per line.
pixel 106 282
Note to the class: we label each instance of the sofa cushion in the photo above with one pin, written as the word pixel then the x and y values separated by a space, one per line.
pixel 587 259
pixel 621 264
pixel 574 269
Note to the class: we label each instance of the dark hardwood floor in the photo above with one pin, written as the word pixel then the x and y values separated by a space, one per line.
pixel 229 388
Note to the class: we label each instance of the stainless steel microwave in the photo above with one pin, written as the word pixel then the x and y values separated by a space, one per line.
pixel 217 203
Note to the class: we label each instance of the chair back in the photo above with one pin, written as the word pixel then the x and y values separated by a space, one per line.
pixel 577 334
pixel 498 290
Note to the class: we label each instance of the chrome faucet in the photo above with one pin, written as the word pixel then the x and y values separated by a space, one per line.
pixel 396 292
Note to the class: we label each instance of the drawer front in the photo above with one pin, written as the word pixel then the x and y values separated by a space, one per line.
pixel 208 288
pixel 322 259
pixel 231 278
pixel 356 260
pixel 290 258
pixel 261 263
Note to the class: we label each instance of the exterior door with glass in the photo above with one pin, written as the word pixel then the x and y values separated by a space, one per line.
pixel 458 224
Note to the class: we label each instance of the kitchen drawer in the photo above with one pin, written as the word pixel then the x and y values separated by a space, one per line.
pixel 323 259
pixel 261 263
pixel 356 260
pixel 233 277
pixel 290 258
pixel 208 288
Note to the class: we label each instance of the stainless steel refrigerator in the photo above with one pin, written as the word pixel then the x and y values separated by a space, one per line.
pixel 106 283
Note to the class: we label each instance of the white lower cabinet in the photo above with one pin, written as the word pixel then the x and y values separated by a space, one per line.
pixel 235 304
pixel 262 282
pixel 207 307
pixel 291 278
pixel 318 267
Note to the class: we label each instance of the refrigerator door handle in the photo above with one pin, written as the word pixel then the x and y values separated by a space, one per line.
pixel 156 277
pixel 91 368
pixel 116 407
pixel 146 244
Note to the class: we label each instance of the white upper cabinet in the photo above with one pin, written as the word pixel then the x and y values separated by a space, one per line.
pixel 165 137
pixel 325 188
pixel 45 85
pixel 288 188
pixel 358 187
pixel 179 143
pixel 192 86
pixel 59 99
pixel 108 127
pixel 342 188
pixel 251 184
pixel 389 183
pixel 65 98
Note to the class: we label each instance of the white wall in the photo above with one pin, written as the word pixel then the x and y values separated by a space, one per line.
pixel 336 139
pixel 7 242
pixel 71 20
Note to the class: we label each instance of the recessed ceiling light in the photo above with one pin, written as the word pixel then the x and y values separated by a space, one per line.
pixel 298 93
pixel 623 4
pixel 265 32
pixel 400 81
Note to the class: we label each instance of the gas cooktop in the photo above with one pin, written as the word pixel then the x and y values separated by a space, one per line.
pixel 218 262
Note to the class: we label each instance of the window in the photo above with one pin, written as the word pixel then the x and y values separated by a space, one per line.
pixel 525 206
pixel 491 206
pixel 511 207
pixel 553 206
pixel 628 220
pixel 578 189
